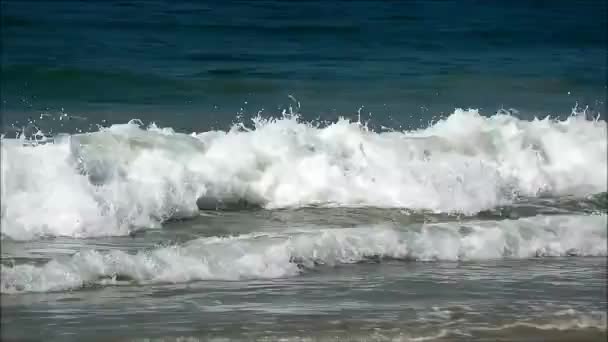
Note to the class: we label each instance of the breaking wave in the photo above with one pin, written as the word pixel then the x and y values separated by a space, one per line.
pixel 285 254
pixel 125 177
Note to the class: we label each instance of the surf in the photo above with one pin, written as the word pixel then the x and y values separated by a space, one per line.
pixel 127 177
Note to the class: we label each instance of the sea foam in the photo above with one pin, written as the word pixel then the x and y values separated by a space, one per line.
pixel 292 251
pixel 125 177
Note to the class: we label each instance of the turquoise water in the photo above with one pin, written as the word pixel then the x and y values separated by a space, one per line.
pixel 178 171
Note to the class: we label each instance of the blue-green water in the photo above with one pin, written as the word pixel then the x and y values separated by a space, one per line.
pixel 193 65
pixel 231 218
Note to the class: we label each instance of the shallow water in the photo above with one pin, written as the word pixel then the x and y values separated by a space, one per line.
pixel 350 282
pixel 460 300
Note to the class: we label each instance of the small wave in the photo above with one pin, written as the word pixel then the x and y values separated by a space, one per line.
pixel 579 326
pixel 124 177
pixel 277 255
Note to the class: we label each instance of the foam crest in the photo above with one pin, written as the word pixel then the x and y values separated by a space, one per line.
pixel 125 177
pixel 289 253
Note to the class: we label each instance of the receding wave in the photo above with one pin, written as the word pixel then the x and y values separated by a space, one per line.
pixel 125 177
pixel 289 253
pixel 561 325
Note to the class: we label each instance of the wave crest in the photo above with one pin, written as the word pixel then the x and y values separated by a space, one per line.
pixel 124 177
pixel 276 255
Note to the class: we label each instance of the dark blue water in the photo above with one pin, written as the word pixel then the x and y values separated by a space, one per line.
pixel 195 65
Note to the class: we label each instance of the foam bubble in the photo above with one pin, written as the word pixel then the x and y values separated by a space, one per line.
pixel 124 177
pixel 289 253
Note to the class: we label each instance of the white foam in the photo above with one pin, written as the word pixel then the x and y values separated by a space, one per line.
pixel 283 254
pixel 139 178
pixel 571 321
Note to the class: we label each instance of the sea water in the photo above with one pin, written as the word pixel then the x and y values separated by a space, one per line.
pixel 303 170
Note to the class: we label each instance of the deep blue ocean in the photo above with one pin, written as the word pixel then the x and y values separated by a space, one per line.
pixel 431 170
pixel 194 65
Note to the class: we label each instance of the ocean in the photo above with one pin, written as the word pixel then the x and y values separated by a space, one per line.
pixel 303 170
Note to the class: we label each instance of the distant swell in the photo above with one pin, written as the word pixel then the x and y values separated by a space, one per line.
pixel 124 177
